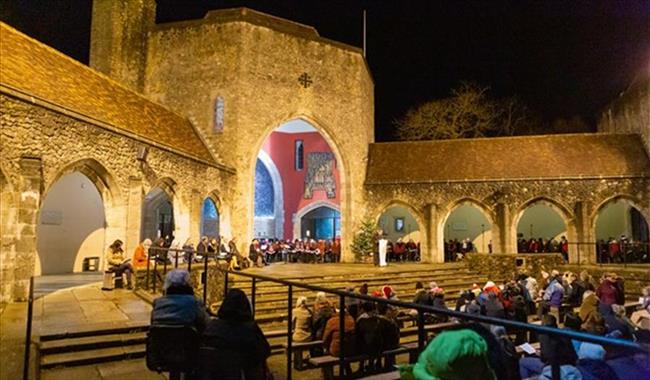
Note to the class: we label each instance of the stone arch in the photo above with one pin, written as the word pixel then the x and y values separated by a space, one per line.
pixel 485 210
pixel 109 192
pixel 342 164
pixel 631 200
pixel 564 212
pixel 297 218
pixel 163 190
pixel 224 212
pixel 278 191
pixel 419 218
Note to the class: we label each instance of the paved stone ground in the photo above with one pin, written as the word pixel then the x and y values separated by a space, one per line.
pixel 88 307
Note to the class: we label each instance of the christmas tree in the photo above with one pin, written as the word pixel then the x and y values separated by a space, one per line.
pixel 363 244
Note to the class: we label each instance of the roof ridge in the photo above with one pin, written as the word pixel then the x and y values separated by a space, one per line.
pixel 519 137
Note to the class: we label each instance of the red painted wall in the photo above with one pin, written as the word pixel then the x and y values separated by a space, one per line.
pixel 280 147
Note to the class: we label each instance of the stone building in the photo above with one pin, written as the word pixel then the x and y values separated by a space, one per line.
pixel 170 118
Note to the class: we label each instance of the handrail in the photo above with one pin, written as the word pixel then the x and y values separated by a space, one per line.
pixel 452 313
pixel 28 332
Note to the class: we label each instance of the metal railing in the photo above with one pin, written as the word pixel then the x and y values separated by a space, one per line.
pixel 421 310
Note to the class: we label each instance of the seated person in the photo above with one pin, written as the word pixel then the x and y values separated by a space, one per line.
pixel 178 305
pixel 239 348
pixel 140 256
pixel 118 264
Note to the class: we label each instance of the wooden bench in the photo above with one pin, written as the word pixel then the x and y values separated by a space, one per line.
pixel 298 350
pixel 408 348
pixel 394 375
pixel 326 363
pixel 434 329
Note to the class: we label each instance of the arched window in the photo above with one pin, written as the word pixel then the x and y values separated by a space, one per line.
pixel 218 114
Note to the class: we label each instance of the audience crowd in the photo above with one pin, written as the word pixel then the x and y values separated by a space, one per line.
pixel 463 350
pixel 623 250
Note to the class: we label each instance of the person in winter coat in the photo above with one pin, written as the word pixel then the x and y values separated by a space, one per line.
pixel 607 291
pixel 238 347
pixel 178 305
pixel 302 321
pixel 592 320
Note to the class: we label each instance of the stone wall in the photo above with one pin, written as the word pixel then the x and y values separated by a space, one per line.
pixel 253 62
pixel 498 267
pixel 630 113
pixel 576 200
pixel 40 143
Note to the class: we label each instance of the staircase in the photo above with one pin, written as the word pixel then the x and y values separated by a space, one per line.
pixel 79 348
pixel 93 346
pixel 271 298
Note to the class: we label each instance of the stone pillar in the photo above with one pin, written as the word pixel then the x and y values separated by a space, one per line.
pixel 195 210
pixel 504 240
pixel 30 190
pixel 583 253
pixel 434 251
pixel 134 205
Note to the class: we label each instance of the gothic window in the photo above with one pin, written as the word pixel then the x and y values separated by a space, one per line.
pixel 299 156
pixel 218 114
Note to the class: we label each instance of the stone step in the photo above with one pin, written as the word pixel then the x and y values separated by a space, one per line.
pixel 99 355
pixel 92 342
pixel 374 282
pixel 100 329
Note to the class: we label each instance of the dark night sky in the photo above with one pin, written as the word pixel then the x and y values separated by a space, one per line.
pixel 564 58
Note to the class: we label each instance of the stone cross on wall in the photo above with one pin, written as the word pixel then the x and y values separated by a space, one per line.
pixel 305 80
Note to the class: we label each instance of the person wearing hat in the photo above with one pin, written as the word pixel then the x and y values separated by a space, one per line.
pixel 457 354
pixel 302 321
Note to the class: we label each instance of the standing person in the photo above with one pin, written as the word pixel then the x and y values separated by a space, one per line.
pixel 336 250
pixel 140 255
pixel 118 264
pixel 239 348
pixel 564 248
pixel 607 291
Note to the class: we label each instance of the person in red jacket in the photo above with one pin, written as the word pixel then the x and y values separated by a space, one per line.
pixel 607 292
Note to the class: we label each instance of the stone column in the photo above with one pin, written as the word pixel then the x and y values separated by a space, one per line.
pixel 134 213
pixel 434 251
pixel 583 253
pixel 504 240
pixel 30 190
pixel 195 210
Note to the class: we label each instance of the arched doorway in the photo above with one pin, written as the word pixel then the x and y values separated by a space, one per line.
pixel 296 169
pixel 71 225
pixel 321 223
pixel 621 232
pixel 541 226
pixel 403 231
pixel 209 218
pixel 157 215
pixel 468 228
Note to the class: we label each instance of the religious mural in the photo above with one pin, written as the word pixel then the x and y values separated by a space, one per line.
pixel 320 174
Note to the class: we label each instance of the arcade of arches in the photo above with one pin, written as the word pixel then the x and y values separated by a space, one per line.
pixel 180 149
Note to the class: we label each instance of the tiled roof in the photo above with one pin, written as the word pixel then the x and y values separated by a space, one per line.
pixel 508 158
pixel 33 68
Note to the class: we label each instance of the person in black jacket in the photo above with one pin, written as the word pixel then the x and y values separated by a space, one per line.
pixel 234 346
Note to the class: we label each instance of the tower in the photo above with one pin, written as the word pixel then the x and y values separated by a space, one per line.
pixel 118 39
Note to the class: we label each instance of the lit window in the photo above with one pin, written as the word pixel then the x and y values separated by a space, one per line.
pixel 299 155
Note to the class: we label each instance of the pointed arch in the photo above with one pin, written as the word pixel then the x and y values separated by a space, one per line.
pixel 419 219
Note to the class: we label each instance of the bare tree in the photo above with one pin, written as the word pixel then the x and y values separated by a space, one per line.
pixel 468 112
